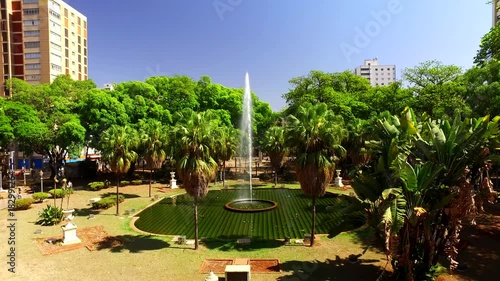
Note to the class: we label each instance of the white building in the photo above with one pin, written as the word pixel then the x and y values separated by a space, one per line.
pixel 379 75
pixel 496 12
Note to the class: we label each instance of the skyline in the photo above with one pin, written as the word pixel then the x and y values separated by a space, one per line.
pixel 274 41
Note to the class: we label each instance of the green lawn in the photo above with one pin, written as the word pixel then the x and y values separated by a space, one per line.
pixel 291 218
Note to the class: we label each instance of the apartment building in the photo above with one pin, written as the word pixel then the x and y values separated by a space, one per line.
pixel 496 11
pixel 379 75
pixel 41 39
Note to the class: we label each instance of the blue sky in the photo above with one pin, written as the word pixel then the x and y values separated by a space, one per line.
pixel 274 40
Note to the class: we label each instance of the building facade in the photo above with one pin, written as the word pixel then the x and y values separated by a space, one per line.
pixel 378 75
pixel 41 39
pixel 496 12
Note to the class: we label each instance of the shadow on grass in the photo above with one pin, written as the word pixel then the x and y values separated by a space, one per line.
pixel 338 269
pixel 86 212
pixel 131 243
pixel 126 195
pixel 229 243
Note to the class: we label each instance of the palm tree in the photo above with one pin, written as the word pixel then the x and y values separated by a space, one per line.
pixel 117 147
pixel 153 139
pixel 274 145
pixel 226 143
pixel 194 149
pixel 313 137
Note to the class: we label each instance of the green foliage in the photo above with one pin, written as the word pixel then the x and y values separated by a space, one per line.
pixel 96 185
pixel 24 203
pixel 59 193
pixel 489 48
pixel 107 202
pixel 136 182
pixel 40 196
pixel 124 183
pixel 265 177
pixel 50 215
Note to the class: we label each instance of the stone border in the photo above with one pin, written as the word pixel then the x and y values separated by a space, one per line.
pixel 228 207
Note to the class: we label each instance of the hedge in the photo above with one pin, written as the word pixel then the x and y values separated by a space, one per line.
pixel 107 202
pixel 24 203
pixel 40 196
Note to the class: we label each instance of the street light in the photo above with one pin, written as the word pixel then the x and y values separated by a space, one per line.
pixel 274 176
pixel 41 180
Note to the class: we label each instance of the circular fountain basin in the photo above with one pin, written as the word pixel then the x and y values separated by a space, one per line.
pixel 251 205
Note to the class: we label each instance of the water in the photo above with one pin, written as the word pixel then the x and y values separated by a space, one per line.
pixel 246 132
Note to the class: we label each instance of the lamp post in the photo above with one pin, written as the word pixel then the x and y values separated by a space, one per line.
pixel 1 177
pixel 274 176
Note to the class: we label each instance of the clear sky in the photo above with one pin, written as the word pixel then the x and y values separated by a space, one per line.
pixel 274 40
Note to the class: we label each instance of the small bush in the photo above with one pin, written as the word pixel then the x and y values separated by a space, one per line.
pixel 124 183
pixel 264 177
pixel 24 203
pixel 59 193
pixel 39 196
pixel 136 182
pixel 50 215
pixel 107 202
pixel 96 185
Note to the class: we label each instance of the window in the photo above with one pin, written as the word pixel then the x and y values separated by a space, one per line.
pixel 33 66
pixel 79 40
pixel 31 22
pixel 32 55
pixel 85 42
pixel 30 1
pixel 382 83
pixel 85 61
pixel 84 51
pixel 32 33
pixel 66 32
pixel 55 24
pixel 57 36
pixel 54 14
pixel 33 77
pixel 28 12
pixel 32 44
pixel 55 46
pixel 66 12
pixel 56 67
pixel 66 53
pixel 388 68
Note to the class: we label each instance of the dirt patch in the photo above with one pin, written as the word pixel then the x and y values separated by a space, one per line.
pixel 256 265
pixel 93 238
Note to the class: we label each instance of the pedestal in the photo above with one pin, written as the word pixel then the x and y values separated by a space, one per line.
pixel 338 182
pixel 69 235
pixel 238 272
pixel 173 183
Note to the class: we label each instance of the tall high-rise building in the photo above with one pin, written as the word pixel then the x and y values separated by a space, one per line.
pixel 377 74
pixel 496 11
pixel 41 39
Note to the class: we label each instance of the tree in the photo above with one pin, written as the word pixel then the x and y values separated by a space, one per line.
pixel 431 73
pixel 313 137
pixel 489 48
pixel 194 152
pixel 118 144
pixel 274 145
pixel 153 140
pixel 226 142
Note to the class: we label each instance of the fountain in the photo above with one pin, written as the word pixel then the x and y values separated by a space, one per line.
pixel 247 203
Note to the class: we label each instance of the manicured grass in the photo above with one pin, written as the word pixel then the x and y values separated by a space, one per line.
pixel 292 217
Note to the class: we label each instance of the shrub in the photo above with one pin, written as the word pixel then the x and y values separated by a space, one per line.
pixel 136 182
pixel 39 196
pixel 96 185
pixel 50 215
pixel 124 183
pixel 107 202
pixel 59 193
pixel 24 203
pixel 264 177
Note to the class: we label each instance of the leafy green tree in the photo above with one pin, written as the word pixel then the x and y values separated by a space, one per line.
pixel 313 137
pixel 226 143
pixel 117 148
pixel 274 145
pixel 489 48
pixel 194 154
pixel 154 141
pixel 431 73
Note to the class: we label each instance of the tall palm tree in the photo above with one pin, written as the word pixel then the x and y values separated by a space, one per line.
pixel 194 152
pixel 313 137
pixel 117 147
pixel 153 140
pixel 226 143
pixel 274 145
